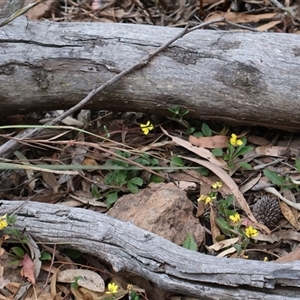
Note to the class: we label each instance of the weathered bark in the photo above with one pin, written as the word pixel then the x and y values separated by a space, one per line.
pixel 250 78
pixel 172 268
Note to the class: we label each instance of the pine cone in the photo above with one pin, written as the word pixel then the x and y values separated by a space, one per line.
pixel 267 211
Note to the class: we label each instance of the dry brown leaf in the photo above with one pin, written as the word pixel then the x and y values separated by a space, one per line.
pixel 270 150
pixel 204 153
pixel 250 184
pixel 290 215
pixel 50 179
pixel 28 269
pixel 226 252
pixel 215 231
pixel 223 244
pixel 213 142
pixel 229 182
pixel 90 280
pixel 258 140
pixel 292 256
pixel 240 17
pixel 268 25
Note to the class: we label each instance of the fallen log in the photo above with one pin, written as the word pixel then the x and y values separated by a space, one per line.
pixel 236 77
pixel 130 249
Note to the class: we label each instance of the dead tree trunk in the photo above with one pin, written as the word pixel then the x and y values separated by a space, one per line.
pixel 238 77
pixel 127 248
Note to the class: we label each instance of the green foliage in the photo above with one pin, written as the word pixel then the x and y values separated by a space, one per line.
pixel 206 130
pixel 74 284
pixel 111 198
pixel 178 113
pixel 233 154
pixel 134 295
pixel 156 179
pixel 95 191
pixel 281 181
pixel 124 180
pixel 176 162
pixel 297 164
pixel 190 243
pixel 45 256
pixel 224 206
pixel 18 252
pixel 217 152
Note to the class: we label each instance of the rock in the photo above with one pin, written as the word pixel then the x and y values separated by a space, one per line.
pixel 163 209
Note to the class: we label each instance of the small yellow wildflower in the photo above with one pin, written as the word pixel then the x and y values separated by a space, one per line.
pixel 251 232
pixel 245 256
pixel 112 288
pixel 266 258
pixel 206 198
pixel 147 127
pixel 235 218
pixel 3 222
pixel 217 185
pixel 129 287
pixel 234 141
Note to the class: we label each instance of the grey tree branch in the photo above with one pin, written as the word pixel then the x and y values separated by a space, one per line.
pixel 10 146
pixel 128 248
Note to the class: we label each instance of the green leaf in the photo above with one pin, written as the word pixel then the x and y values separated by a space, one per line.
pixel 202 170
pixel 133 188
pixel 206 130
pixel 137 181
pixel 18 252
pixel 297 163
pixel 134 295
pixel 224 205
pixel 224 226
pixel 217 152
pixel 198 134
pixel 111 199
pixel 231 150
pixel 274 177
pixel 238 248
pixel 153 162
pixel 190 130
pixel 156 179
pixel 176 162
pixel 245 165
pixel 243 150
pixel 189 243
pixel 231 165
pixel 45 256
pixel 95 191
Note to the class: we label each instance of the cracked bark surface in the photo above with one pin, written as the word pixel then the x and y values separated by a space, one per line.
pixel 237 77
pixel 130 249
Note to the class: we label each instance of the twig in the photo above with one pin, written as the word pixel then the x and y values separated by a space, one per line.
pixel 14 143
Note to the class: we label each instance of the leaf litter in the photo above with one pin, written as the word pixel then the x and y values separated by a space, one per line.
pixel 126 152
pixel 70 167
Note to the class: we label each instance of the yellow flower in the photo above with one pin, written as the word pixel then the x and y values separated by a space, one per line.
pixel 112 288
pixel 217 185
pixel 129 287
pixel 235 218
pixel 234 141
pixel 251 232
pixel 206 198
pixel 3 222
pixel 147 127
